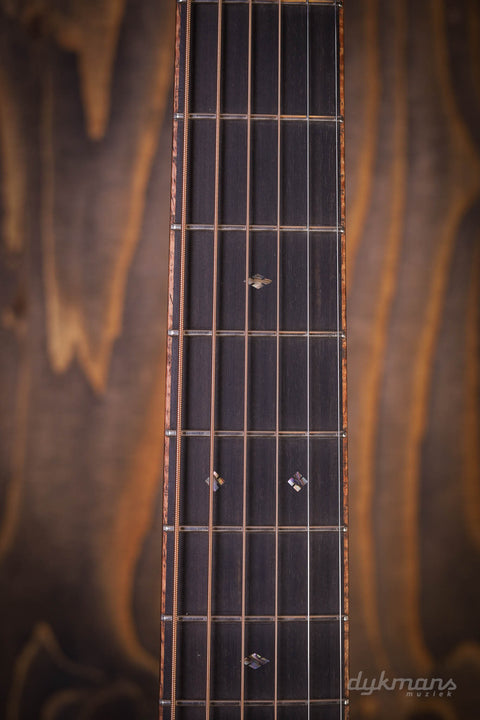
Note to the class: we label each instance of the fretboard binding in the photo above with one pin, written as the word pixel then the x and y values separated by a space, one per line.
pixel 260 333
pixel 260 433
pixel 262 117
pixel 258 703
pixel 258 528
pixel 263 228
pixel 255 618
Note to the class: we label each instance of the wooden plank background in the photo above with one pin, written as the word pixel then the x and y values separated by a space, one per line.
pixel 413 134
pixel 84 180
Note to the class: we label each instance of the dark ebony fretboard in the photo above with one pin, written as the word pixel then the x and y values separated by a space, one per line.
pixel 254 560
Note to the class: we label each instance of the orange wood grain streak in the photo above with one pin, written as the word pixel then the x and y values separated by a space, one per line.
pixel 371 384
pixel 67 325
pixel 99 37
pixel 421 385
pixel 14 170
pixel 120 692
pixel 91 31
pixel 43 638
pixel 133 519
pixel 360 202
pixel 57 704
pixel 466 182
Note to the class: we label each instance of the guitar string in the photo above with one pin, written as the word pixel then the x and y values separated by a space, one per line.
pixel 339 462
pixel 245 378
pixel 277 372
pixel 309 479
pixel 213 366
pixel 180 360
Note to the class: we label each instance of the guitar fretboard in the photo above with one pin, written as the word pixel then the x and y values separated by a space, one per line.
pixel 254 605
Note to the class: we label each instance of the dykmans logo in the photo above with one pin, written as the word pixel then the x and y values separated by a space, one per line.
pixel 418 687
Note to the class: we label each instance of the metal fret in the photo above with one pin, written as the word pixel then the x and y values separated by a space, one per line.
pixel 260 333
pixel 261 433
pixel 255 618
pixel 260 117
pixel 259 703
pixel 331 3
pixel 263 228
pixel 257 528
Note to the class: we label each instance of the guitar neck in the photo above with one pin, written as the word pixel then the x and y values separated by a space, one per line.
pixel 254 602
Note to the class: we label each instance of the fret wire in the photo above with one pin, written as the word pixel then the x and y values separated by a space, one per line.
pixel 245 378
pixel 258 528
pixel 213 367
pixel 180 361
pixel 331 3
pixel 339 461
pixel 296 702
pixel 308 348
pixel 259 433
pixel 260 333
pixel 260 117
pixel 277 372
pixel 263 228
pixel 253 618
